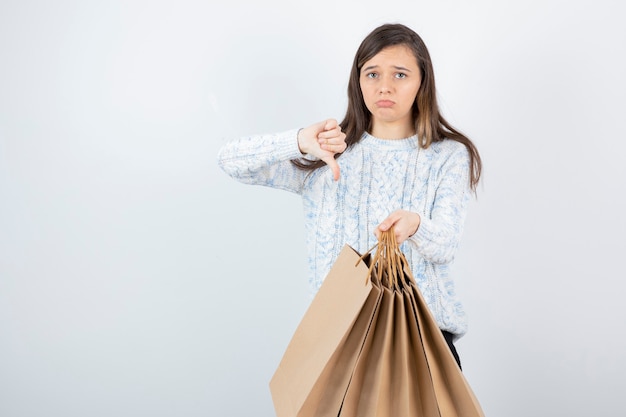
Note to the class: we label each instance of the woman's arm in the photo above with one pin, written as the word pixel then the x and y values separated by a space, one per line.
pixel 264 160
pixel 438 235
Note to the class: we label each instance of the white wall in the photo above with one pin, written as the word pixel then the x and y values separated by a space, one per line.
pixel 137 279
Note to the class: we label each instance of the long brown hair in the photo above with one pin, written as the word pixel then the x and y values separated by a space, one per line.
pixel 430 125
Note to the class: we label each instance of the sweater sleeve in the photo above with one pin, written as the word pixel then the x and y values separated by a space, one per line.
pixel 264 160
pixel 439 234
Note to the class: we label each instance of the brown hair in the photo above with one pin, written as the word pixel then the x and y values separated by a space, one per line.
pixel 430 125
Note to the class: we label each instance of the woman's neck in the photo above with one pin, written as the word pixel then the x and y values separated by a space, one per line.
pixel 392 131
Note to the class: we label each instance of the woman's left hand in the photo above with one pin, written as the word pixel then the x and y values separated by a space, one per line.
pixel 405 224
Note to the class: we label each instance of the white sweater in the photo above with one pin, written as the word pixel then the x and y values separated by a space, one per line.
pixel 377 177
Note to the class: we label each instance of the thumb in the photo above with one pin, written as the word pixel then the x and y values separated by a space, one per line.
pixel 388 222
pixel 333 165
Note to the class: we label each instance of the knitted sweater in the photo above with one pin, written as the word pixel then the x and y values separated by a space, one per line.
pixel 377 177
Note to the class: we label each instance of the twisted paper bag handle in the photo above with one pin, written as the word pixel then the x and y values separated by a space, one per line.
pixel 388 262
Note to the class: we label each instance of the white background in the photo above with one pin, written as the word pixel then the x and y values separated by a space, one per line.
pixel 137 279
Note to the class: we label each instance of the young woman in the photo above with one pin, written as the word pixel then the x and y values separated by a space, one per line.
pixel 392 161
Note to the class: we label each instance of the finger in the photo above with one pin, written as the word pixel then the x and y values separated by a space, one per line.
pixel 329 134
pixel 384 226
pixel 389 221
pixel 333 144
pixel 330 124
pixel 324 140
pixel 330 147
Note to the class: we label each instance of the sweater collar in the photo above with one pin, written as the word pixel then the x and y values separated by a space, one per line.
pixel 389 144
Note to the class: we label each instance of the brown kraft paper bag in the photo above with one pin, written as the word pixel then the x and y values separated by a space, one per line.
pixel 368 346
pixel 315 369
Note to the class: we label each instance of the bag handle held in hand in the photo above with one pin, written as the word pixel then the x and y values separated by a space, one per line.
pixel 389 263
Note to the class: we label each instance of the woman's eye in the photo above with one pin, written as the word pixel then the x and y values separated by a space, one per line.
pixel 400 75
pixel 372 75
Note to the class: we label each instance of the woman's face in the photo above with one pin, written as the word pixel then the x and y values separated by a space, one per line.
pixel 389 83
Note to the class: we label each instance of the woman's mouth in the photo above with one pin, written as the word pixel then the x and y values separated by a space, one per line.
pixel 384 103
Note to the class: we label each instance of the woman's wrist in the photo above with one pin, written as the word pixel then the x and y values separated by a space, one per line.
pixel 299 140
pixel 416 222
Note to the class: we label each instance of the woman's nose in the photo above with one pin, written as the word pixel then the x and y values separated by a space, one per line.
pixel 385 85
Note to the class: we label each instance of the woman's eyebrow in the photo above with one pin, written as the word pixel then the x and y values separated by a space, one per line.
pixel 399 68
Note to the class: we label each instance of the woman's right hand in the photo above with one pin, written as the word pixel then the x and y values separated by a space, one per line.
pixel 323 140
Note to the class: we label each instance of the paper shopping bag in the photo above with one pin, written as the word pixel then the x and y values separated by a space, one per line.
pixel 405 367
pixel 390 376
pixel 455 397
pixel 368 346
pixel 317 364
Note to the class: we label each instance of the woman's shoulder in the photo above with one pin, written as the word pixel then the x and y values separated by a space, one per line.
pixel 447 149
pixel 447 146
